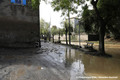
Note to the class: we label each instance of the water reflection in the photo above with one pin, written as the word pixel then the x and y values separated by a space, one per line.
pixel 68 58
pixel 74 62
pixel 86 65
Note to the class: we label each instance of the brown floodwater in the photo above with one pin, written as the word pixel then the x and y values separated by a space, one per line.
pixel 92 67
pixel 112 49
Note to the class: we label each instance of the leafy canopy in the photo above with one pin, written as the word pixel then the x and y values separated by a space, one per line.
pixel 110 12
pixel 44 26
pixel 54 30
pixel 66 5
pixel 35 4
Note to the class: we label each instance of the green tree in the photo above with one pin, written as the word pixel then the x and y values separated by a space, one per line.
pixel 104 18
pixel 66 28
pixel 44 28
pixel 60 33
pixel 89 19
pixel 105 13
pixel 54 31
pixel 111 16
pixel 76 29
pixel 67 7
pixel 35 4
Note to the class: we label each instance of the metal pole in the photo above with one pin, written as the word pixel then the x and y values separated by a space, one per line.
pixel 50 29
pixel 69 28
pixel 79 36
pixel 39 25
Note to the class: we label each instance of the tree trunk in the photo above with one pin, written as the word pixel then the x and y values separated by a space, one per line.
pixel 101 29
pixel 53 38
pixel 49 38
pixel 66 35
pixel 69 28
pixel 101 39
pixel 59 37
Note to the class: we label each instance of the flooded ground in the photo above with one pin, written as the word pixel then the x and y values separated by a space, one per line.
pixel 56 62
pixel 110 48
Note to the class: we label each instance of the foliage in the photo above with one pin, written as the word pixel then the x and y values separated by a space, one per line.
pixel 44 26
pixel 111 15
pixel 54 30
pixel 66 26
pixel 61 31
pixel 107 13
pixel 89 19
pixel 76 29
pixel 35 4
pixel 105 16
pixel 65 6
pixel 110 12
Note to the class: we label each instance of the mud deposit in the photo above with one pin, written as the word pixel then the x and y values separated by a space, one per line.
pixel 55 62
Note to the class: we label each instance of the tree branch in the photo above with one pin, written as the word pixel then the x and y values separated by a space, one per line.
pixel 94 2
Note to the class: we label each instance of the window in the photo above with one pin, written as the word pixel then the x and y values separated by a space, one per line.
pixel 22 2
pixel 18 1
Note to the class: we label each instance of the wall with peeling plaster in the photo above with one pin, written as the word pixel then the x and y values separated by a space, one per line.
pixel 18 25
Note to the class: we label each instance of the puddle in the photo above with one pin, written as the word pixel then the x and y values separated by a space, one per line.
pixel 86 65
pixel 90 67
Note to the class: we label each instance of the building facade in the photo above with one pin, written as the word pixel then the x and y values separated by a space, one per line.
pixel 74 21
pixel 18 24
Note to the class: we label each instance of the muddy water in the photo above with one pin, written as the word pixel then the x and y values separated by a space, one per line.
pixel 95 68
pixel 113 49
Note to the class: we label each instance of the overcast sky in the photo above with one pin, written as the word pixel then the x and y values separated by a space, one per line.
pixel 47 13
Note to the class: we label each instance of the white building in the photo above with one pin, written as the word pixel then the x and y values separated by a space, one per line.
pixel 74 21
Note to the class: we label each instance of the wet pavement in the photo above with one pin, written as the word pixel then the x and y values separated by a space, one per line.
pixel 56 62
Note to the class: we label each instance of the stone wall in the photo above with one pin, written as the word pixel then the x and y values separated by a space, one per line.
pixel 83 37
pixel 18 25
